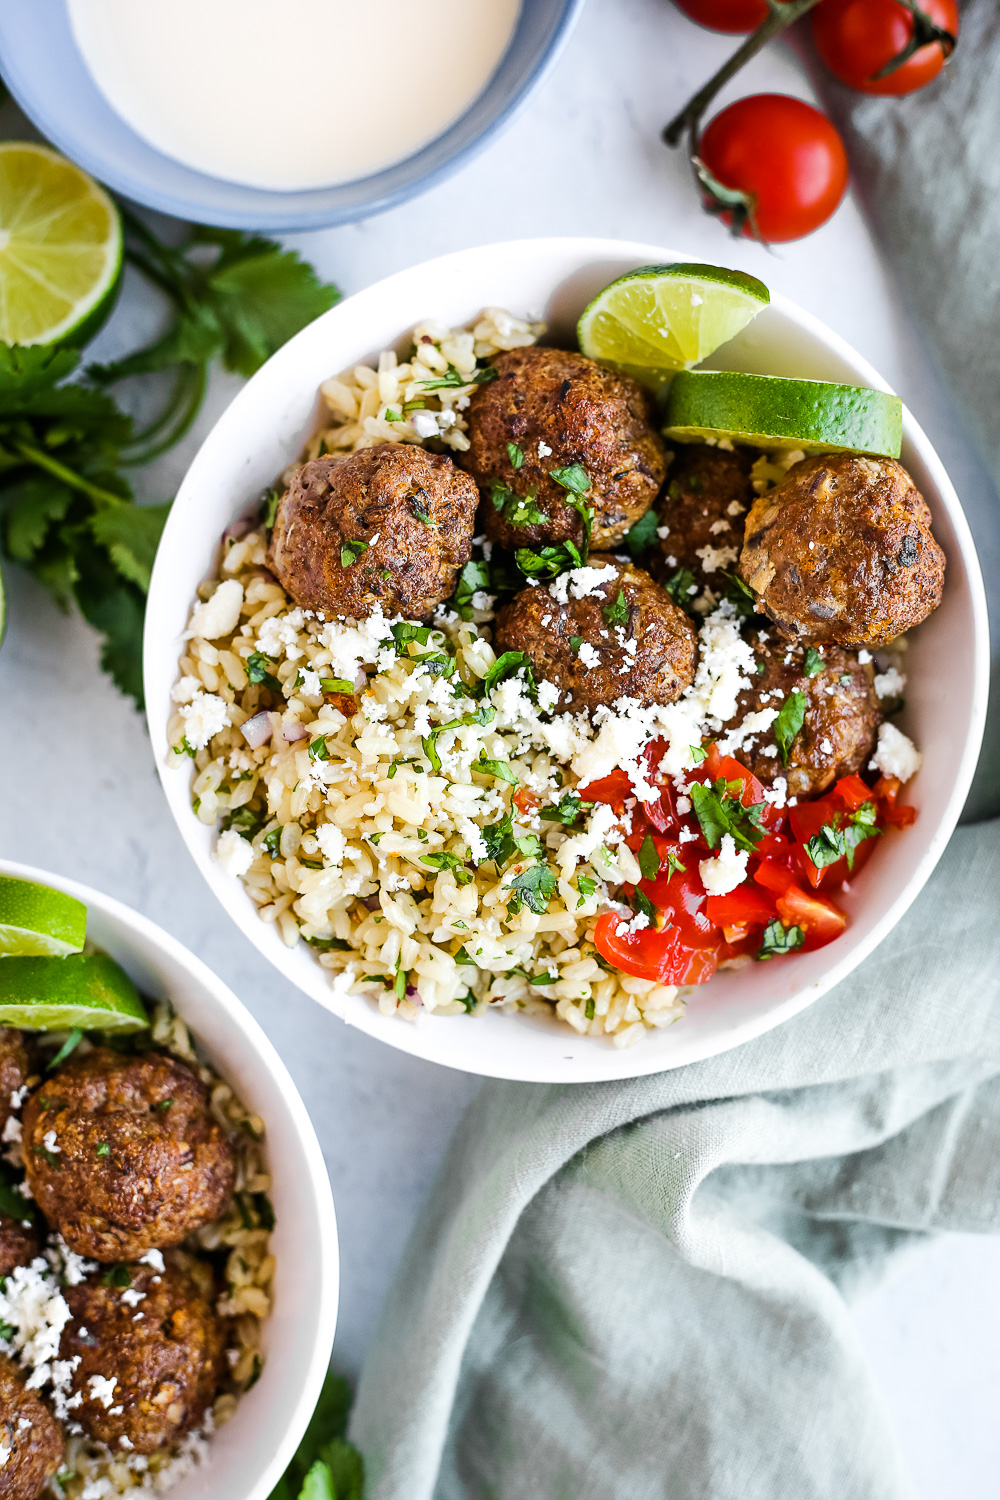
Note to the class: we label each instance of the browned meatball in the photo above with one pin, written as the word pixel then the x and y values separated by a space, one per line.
pixel 559 409
pixel 157 1339
pixel 704 509
pixel 20 1241
pixel 30 1435
pixel 841 716
pixel 841 551
pixel 413 511
pixel 14 1069
pixel 625 638
pixel 123 1154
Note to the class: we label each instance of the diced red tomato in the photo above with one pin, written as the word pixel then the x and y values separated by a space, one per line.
pixel 851 791
pixel 774 876
pixel 525 800
pixel 747 906
pixel 819 919
pixel 650 954
pixel 725 765
pixel 614 789
pixel 681 897
pixel 885 791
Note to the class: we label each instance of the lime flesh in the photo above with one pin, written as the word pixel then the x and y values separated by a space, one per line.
pixel 659 319
pixel 34 919
pixel 88 990
pixel 60 247
pixel 767 411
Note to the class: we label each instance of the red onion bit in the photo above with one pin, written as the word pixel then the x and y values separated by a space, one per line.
pixel 237 530
pixel 257 731
pixel 294 731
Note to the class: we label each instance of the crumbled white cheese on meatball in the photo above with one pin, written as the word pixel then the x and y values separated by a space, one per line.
pixel 896 754
pixel 714 558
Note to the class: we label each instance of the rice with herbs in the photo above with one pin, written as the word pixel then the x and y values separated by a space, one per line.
pixel 365 814
pixel 238 1244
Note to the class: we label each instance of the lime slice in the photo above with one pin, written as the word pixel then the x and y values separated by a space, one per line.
pixel 659 319
pixel 766 411
pixel 60 247
pixel 36 919
pixel 88 990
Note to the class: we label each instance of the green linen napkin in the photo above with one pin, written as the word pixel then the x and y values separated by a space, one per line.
pixel 639 1291
pixel 633 1291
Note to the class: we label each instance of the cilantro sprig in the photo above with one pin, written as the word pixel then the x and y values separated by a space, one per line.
pixel 68 511
pixel 719 810
pixel 840 838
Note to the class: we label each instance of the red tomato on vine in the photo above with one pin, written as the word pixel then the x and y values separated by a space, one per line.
pixel 726 15
pixel 783 152
pixel 857 38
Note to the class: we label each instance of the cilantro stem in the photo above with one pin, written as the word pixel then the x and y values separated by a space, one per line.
pixel 68 476
pixel 190 388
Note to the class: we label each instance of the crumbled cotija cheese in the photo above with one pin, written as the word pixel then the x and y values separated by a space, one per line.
pixel 205 716
pixel 896 754
pixel 890 684
pixel 219 615
pixel 726 870
pixel 234 852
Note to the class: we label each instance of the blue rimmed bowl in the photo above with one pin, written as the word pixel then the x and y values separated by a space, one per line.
pixel 44 70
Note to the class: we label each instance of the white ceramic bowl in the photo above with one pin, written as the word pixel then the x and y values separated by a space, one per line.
pixel 946 696
pixel 248 1455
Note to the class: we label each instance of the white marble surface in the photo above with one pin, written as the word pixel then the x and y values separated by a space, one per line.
pixel 81 792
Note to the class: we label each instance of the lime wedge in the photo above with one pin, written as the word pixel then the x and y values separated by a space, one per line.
pixel 60 247
pixel 36 919
pixel 88 990
pixel 659 319
pixel 766 411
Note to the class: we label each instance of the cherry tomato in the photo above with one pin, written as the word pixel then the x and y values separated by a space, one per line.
pixel 614 789
pixel 661 956
pixel 726 15
pixel 785 153
pixel 856 38
pixel 526 801
pixel 733 770
pixel 745 907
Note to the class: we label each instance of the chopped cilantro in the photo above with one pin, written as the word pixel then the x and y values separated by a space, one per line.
pixel 533 888
pixel 640 537
pixel 575 642
pixel 473 579
pixel 530 846
pixel 335 945
pixel 257 671
pixel 401 981
pixel 447 861
pixel 739 595
pixel 467 1002
pixel 840 838
pixel 462 956
pixel 269 508
pixel 74 1037
pixel 507 665
pixel 679 587
pixel 499 840
pixel 318 749
pixel 485 714
pixel 498 768
pixel 567 811
pixel 697 754
pixel 454 379
pixel 572 477
pixel 117 1276
pixel 845 679
pixel 272 840
pixel 392 414
pixel 814 662
pixel 420 511
pixel 641 903
pixel 336 685
pixel 586 886
pixel 675 865
pixel 616 613
pixel 588 1009
pixel 404 634
pixel 719 810
pixel 164 1104
pixel 351 551
pixel 789 721
pixel 104 1149
pixel 13 1204
pixel 518 510
pixel 548 561
pixel 516 455
pixel 780 939
pixel 649 858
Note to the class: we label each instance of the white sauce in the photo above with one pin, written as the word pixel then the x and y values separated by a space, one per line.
pixel 291 94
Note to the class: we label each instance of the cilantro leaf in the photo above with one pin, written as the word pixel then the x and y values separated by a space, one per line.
pixel 533 888
pixel 548 561
pixel 790 719
pixel 445 860
pixel 131 535
pixel 814 662
pixel 351 551
pixel 499 840
pixel 473 579
pixel 508 665
pixel 839 839
pixel 516 455
pixel 779 939
pixel 498 768
pixel 453 379
pixel 649 858
pixel 740 595
pixel 517 510
pixel 572 477
pixel 257 666
pixel 586 886
pixel 567 811
pixel 720 812
pixel 641 903
pixel 485 714
pixel 682 587
pixel 616 613
pixel 640 537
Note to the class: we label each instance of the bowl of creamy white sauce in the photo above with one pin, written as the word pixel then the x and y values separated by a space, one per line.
pixel 276 114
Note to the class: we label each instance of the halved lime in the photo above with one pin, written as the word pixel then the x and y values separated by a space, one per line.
pixel 767 411
pixel 60 247
pixel 88 990
pixel 37 919
pixel 659 319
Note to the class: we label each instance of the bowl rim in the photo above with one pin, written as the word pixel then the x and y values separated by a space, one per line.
pixel 272 210
pixel 324 1313
pixel 602 1063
